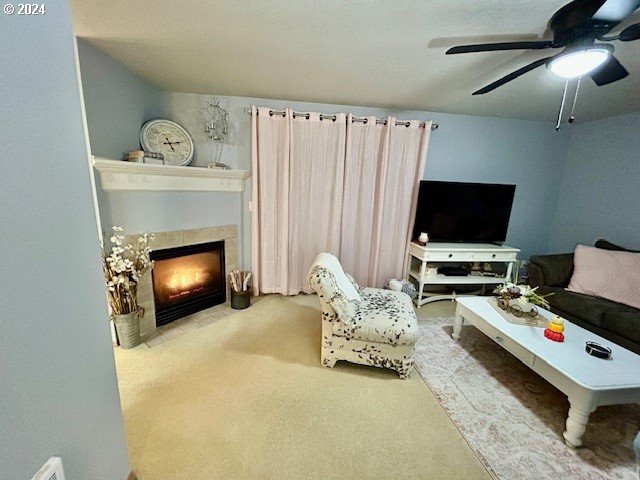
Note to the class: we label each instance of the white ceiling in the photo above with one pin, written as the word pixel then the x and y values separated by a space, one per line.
pixel 378 53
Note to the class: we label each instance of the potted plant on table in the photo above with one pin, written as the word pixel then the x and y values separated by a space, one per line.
pixel 123 266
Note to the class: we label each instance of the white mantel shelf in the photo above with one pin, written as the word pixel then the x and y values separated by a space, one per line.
pixel 119 175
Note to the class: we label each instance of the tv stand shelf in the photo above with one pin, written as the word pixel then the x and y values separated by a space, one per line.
pixel 434 252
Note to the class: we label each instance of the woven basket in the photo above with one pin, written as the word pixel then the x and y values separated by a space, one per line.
pixel 240 300
pixel 128 328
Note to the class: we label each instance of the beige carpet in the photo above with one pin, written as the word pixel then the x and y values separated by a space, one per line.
pixel 246 397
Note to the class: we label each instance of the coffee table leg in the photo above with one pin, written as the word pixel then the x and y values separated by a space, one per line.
pixel 581 408
pixel 457 327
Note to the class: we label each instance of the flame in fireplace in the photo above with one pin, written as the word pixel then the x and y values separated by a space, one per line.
pixel 184 278
pixel 185 281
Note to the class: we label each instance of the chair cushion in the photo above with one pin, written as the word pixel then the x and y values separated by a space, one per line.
pixel 332 299
pixel 383 316
pixel 330 263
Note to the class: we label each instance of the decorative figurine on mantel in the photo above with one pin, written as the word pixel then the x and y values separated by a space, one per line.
pixel 215 120
pixel 423 239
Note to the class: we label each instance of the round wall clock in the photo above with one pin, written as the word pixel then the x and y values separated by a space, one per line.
pixel 169 138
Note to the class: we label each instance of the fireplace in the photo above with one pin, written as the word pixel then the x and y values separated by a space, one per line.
pixel 187 279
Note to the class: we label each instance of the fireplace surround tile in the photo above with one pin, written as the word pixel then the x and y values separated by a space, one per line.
pixel 181 238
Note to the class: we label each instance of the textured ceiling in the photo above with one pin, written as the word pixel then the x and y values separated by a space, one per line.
pixel 383 53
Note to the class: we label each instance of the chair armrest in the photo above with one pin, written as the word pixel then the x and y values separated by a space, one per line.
pixel 551 270
pixel 332 299
pixel 353 281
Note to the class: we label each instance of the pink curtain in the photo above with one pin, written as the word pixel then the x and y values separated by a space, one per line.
pixel 315 189
pixel 298 174
pixel 338 186
pixel 270 146
pixel 383 167
pixel 365 151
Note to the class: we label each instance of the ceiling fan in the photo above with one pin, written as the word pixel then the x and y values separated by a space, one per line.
pixel 579 28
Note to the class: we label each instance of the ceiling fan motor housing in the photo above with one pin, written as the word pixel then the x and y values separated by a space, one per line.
pixel 575 23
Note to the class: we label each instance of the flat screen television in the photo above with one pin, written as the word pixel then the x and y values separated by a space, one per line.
pixel 463 212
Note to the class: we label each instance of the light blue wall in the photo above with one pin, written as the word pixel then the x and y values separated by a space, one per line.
pixel 117 102
pixel 464 148
pixel 600 189
pixel 58 390
pixel 165 211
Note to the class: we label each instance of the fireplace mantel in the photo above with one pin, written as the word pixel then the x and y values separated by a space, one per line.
pixel 119 175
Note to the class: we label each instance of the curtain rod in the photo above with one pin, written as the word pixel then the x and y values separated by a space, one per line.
pixel 434 126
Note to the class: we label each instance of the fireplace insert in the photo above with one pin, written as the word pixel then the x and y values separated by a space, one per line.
pixel 188 279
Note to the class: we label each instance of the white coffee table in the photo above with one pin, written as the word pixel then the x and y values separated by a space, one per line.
pixel 587 381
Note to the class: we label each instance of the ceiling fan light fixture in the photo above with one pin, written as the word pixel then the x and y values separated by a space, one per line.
pixel 576 63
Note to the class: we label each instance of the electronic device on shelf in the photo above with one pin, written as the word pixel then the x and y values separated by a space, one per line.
pixel 463 212
pixel 453 271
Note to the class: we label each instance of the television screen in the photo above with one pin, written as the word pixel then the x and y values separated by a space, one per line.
pixel 463 212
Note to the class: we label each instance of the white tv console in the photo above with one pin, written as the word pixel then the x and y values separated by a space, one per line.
pixel 433 252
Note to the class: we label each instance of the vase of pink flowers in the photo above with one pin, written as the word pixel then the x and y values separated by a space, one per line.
pixel 123 267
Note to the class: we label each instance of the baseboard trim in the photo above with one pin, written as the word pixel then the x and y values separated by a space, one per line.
pixel 132 476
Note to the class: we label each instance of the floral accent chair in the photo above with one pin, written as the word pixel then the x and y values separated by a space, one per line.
pixel 369 326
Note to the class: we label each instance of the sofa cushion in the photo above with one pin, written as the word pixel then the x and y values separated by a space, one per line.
pixel 616 318
pixel 608 274
pixel 605 245
pixel 383 316
pixel 626 324
pixel 554 270
pixel 588 308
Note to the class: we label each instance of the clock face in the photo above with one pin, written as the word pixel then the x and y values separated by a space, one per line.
pixel 169 138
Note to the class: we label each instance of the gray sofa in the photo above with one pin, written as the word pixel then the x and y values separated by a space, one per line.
pixel 616 322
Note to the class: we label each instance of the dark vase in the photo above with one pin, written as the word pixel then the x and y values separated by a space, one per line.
pixel 240 300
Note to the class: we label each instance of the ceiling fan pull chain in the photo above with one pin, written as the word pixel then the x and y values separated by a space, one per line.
pixel 564 98
pixel 575 99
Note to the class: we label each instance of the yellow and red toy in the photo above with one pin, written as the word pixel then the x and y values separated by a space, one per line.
pixel 555 329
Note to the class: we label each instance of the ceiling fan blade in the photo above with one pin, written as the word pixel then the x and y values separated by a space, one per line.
pixel 512 76
pixel 615 10
pixel 632 32
pixel 610 72
pixel 492 47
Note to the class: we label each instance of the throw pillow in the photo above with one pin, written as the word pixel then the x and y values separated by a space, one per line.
pixel 605 245
pixel 609 274
pixel 332 264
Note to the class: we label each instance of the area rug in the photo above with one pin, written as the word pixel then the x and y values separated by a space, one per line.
pixel 246 397
pixel 512 417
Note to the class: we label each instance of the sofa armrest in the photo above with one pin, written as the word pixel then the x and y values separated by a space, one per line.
pixel 551 270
